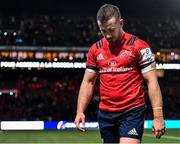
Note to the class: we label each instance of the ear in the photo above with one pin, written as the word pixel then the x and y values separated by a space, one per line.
pixel 121 21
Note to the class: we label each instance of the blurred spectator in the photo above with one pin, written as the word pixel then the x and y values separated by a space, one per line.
pixel 83 31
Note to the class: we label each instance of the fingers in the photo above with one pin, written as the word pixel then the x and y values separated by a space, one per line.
pixel 158 127
pixel 158 133
pixel 80 123
pixel 153 130
pixel 164 130
pixel 83 124
pixel 78 126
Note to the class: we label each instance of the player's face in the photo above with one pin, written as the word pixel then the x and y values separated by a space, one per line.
pixel 111 29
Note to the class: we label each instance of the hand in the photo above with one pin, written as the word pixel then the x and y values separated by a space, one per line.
pixel 80 117
pixel 158 127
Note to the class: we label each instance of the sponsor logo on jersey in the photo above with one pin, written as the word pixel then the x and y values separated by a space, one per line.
pixel 114 69
pixel 100 57
pixel 112 63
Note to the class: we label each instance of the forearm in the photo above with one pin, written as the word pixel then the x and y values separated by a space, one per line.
pixel 85 95
pixel 158 125
pixel 156 98
pixel 155 95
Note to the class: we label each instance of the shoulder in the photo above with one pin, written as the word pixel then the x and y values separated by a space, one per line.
pixel 97 45
pixel 142 44
pixel 133 40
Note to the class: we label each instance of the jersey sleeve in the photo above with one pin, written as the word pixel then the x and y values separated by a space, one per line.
pixel 91 64
pixel 145 56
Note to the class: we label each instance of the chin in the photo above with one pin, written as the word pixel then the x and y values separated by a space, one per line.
pixel 110 40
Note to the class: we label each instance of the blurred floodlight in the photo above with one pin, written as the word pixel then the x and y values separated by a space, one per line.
pixel 14 33
pixel 10 93
pixel 5 33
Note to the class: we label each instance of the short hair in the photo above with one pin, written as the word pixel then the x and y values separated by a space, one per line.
pixel 108 11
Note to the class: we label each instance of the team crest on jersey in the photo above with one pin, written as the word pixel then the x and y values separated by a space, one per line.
pixel 112 63
pixel 100 57
pixel 125 54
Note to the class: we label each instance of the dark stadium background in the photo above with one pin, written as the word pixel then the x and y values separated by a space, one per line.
pixel 80 7
pixel 50 27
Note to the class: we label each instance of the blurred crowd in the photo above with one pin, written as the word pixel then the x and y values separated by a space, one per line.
pixel 51 95
pixel 83 30
pixel 48 30
pixel 42 95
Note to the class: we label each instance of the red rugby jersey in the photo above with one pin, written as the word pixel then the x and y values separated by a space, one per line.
pixel 120 68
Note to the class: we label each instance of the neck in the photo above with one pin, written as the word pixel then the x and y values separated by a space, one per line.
pixel 121 34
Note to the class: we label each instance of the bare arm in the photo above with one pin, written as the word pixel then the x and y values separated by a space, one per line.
pixel 153 88
pixel 85 95
pixel 155 97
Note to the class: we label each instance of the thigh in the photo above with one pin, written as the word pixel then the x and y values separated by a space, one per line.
pixel 132 124
pixel 108 128
pixel 126 140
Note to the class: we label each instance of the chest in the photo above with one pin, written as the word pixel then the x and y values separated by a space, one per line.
pixel 116 58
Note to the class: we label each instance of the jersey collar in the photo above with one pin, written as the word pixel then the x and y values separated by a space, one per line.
pixel 120 40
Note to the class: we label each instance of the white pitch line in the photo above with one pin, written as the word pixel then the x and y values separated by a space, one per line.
pixel 165 136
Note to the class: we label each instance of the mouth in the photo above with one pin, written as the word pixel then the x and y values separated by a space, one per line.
pixel 110 40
